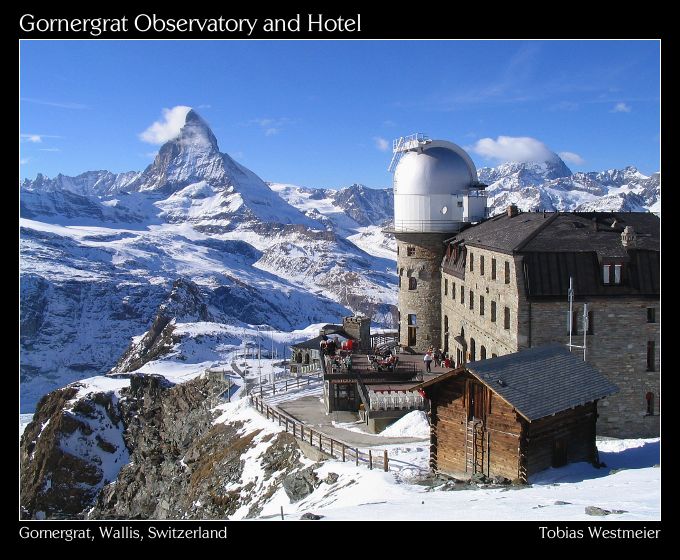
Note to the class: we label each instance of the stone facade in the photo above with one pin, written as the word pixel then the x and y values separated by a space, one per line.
pixel 360 329
pixel 490 336
pixel 618 346
pixel 420 288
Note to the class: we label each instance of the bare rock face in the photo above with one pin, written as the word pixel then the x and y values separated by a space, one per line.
pixel 68 452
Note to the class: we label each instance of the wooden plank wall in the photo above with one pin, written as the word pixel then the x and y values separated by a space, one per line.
pixel 577 426
pixel 504 426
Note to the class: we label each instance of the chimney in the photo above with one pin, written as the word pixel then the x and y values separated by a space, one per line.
pixel 512 211
pixel 628 237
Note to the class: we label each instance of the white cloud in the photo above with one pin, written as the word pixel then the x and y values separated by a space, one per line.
pixel 571 157
pixel 510 148
pixel 33 138
pixel 621 108
pixel 271 131
pixel 23 161
pixel 50 150
pixel 381 143
pixel 168 127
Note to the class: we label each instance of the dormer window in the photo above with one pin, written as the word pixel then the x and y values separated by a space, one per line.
pixel 611 273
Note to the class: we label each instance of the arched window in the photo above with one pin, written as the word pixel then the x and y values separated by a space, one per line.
pixel 307 358
pixel 412 283
pixel 472 350
pixel 482 353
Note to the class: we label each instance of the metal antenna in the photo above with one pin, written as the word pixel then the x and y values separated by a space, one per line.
pixel 570 322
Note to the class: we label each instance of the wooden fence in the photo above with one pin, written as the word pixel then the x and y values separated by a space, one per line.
pixel 373 458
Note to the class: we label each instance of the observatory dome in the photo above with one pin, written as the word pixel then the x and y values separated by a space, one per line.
pixel 441 168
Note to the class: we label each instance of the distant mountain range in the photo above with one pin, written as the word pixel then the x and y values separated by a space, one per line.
pixel 101 252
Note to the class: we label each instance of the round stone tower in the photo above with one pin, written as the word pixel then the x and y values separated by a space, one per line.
pixel 436 191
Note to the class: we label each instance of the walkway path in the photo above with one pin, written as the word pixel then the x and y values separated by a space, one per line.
pixel 310 411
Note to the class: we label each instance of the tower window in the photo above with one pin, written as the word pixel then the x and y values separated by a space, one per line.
pixel 446 287
pixel 651 315
pixel 493 269
pixel 506 318
pixel 412 283
pixel 472 262
pixel 397 250
pixel 410 251
pixel 453 290
pixel 651 358
pixel 472 299
pixel 481 305
pixel 462 295
pixel 507 272
pixel 493 311
pixel 481 265
pixel 482 353
pixel 411 320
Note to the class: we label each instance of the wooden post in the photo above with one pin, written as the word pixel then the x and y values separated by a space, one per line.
pixel 286 425
pixel 386 464
pixel 286 390
pixel 343 452
pixel 293 429
pixel 279 419
pixel 320 443
pixel 298 382
pixel 370 459
pixel 311 436
pixel 281 513
pixel 356 456
pixel 274 388
pixel 302 432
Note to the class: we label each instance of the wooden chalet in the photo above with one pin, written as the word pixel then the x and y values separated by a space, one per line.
pixel 515 415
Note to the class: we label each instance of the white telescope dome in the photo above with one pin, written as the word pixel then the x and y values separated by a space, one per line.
pixel 436 189
pixel 441 168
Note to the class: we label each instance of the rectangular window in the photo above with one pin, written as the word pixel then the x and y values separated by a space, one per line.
pixel 651 358
pixel 462 295
pixel 493 311
pixel 617 274
pixel 472 299
pixel 481 305
pixel 651 314
pixel 507 272
pixel 493 269
pixel 481 265
pixel 453 290
pixel 472 262
pixel 412 320
pixel 446 287
pixel 605 273
pixel 506 318
pixel 410 251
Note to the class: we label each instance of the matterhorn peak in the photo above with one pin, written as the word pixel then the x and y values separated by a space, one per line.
pixel 195 134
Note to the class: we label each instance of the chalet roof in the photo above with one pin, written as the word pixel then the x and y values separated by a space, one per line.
pixel 539 382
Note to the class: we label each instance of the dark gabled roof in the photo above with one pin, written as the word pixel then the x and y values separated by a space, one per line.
pixel 539 382
pixel 563 231
pixel 596 231
pixel 503 233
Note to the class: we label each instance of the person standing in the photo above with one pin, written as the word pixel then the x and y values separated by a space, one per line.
pixel 428 362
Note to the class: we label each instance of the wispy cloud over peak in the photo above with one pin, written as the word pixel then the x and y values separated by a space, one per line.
pixel 571 157
pixel 168 127
pixel 59 104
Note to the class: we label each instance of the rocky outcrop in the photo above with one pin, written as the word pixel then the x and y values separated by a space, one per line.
pixel 68 452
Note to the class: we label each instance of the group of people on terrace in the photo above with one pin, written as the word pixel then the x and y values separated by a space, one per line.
pixel 438 356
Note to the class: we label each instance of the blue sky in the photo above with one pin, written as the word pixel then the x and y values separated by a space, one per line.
pixel 322 113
